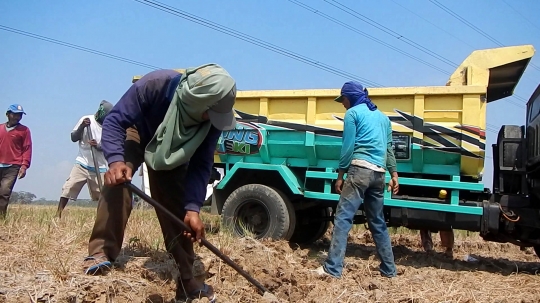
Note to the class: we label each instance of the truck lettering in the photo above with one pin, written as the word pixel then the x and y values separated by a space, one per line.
pixel 235 135
pixel 244 140
pixel 242 148
pixel 252 137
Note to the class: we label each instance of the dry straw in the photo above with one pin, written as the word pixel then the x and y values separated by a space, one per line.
pixel 40 261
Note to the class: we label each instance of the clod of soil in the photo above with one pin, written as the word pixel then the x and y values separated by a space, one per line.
pixel 269 298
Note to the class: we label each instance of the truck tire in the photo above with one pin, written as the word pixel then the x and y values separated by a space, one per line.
pixel 307 233
pixel 264 211
pixel 537 250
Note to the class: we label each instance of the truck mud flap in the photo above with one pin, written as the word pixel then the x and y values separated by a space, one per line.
pixel 490 218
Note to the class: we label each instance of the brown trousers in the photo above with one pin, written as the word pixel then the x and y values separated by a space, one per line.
pixel 115 204
pixel 447 239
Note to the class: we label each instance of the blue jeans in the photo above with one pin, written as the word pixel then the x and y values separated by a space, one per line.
pixel 361 185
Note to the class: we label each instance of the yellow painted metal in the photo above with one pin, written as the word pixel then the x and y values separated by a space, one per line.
pixel 499 69
pixel 444 106
pixel 439 104
pixel 461 102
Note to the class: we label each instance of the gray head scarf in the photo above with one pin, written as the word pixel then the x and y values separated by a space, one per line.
pixel 104 109
pixel 205 88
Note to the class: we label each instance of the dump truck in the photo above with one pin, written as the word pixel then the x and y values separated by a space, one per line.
pixel 280 163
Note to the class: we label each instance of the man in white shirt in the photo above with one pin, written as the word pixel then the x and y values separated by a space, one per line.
pixel 84 171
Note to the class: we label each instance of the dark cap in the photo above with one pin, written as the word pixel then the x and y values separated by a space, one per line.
pixel 349 88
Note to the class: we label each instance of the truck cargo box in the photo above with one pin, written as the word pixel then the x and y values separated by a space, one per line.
pixel 437 129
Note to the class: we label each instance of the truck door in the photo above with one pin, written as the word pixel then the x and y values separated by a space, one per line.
pixel 532 132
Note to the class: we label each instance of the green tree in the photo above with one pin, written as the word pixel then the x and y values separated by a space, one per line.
pixel 22 197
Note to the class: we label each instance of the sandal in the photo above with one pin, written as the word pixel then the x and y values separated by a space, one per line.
pixel 197 294
pixel 96 264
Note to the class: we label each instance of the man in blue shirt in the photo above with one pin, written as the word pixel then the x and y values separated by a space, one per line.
pixel 171 122
pixel 366 154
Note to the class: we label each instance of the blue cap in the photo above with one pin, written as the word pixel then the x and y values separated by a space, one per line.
pixel 16 108
pixel 349 88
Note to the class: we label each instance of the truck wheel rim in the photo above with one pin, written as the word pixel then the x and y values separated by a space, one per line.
pixel 252 215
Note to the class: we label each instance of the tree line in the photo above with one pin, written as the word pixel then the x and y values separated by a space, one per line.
pixel 24 197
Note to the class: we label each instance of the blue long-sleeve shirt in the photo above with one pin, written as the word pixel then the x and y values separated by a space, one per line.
pixel 367 135
pixel 144 106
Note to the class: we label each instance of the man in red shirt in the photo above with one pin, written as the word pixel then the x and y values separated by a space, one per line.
pixel 15 153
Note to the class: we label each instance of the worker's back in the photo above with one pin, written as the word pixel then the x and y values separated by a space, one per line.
pixel 372 134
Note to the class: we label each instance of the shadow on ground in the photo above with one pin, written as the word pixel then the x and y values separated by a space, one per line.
pixel 408 257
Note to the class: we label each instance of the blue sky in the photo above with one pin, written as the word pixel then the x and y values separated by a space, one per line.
pixel 57 85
